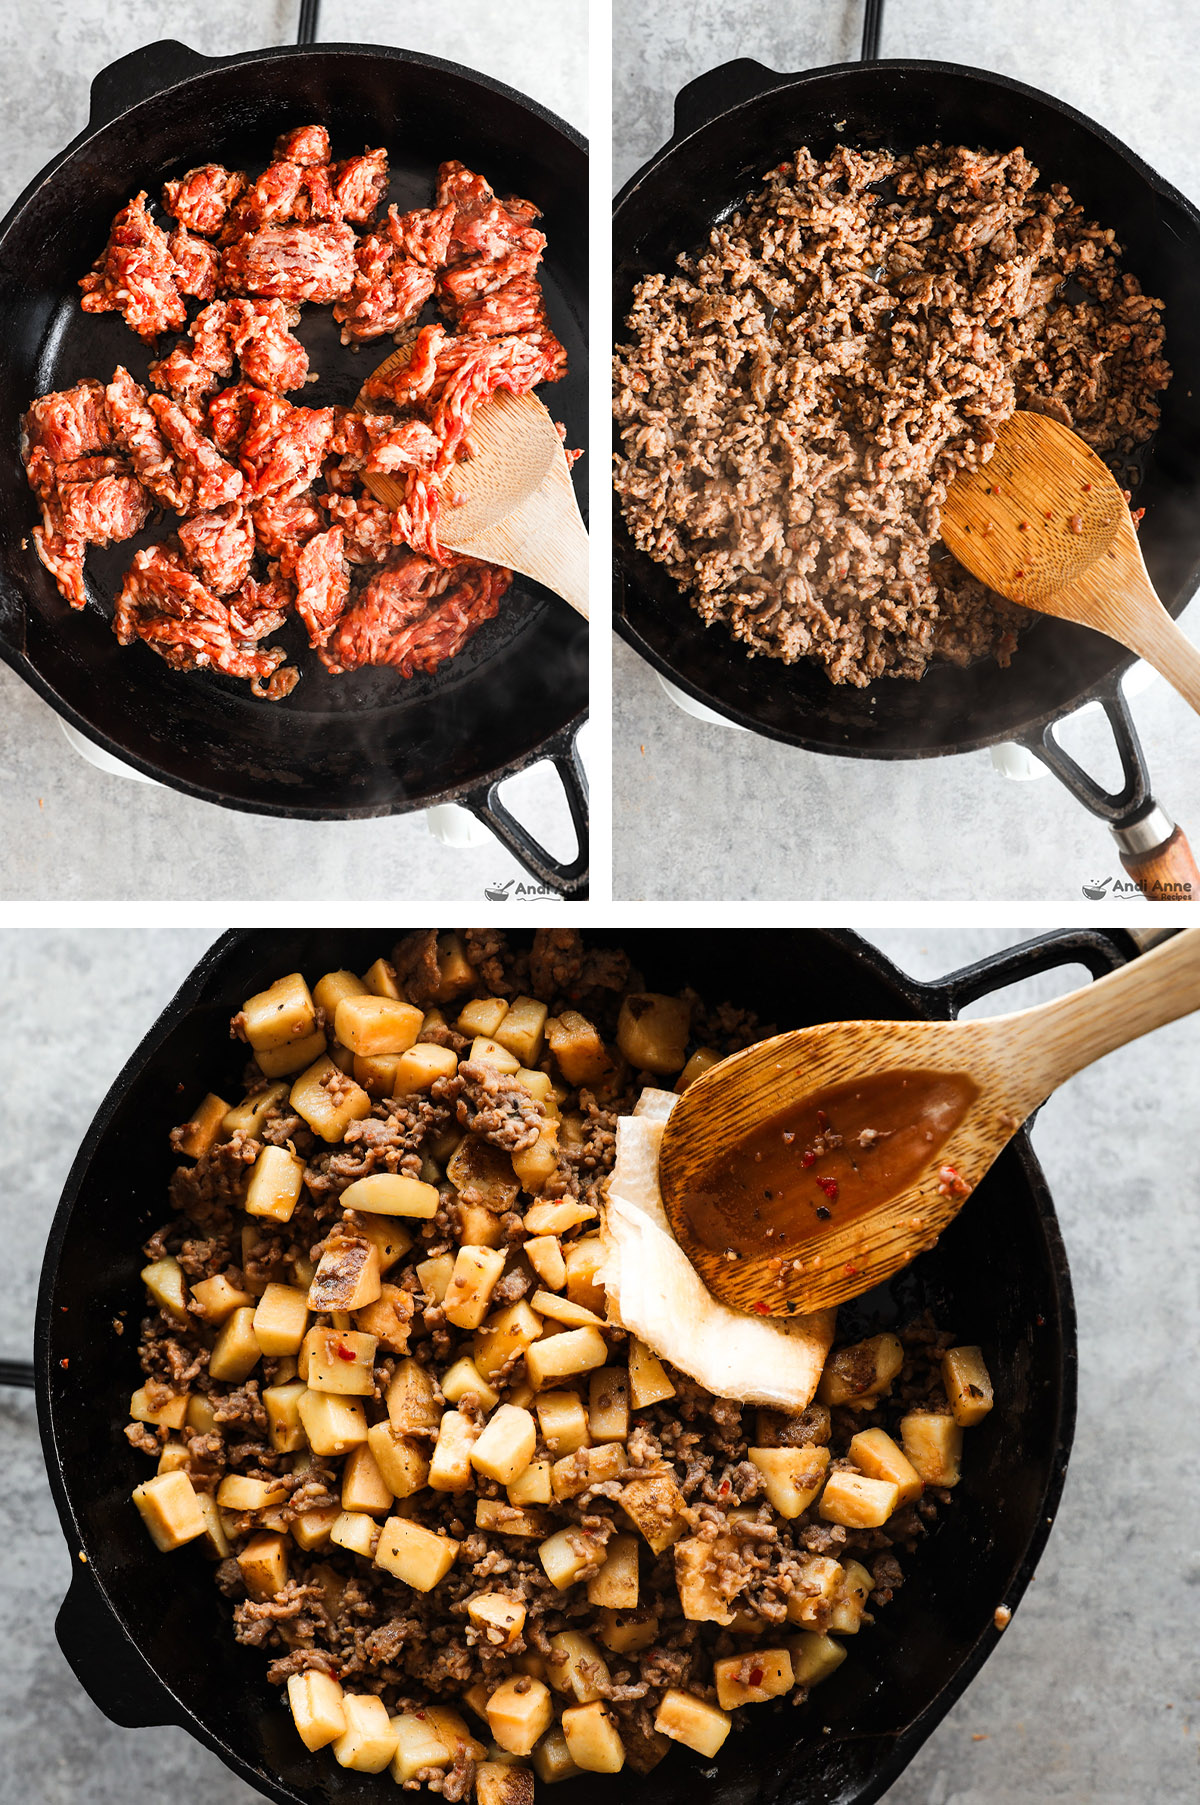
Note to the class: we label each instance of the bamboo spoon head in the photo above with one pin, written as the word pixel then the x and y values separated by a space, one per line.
pixel 1037 515
pixel 922 1110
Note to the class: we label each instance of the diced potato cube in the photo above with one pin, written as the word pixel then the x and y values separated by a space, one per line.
pixel 608 1404
pixel 483 1015
pixel 476 1272
pixel 565 1556
pixel 264 1565
pixel 402 1462
pixel 820 1584
pixel 478 1227
pixel 203 1127
pixel 592 1738
pixel 435 1275
pixel 500 1618
pixel 421 1067
pixel 531 1485
pixel 164 1281
pixel 450 1468
pixel 584 1259
pixel 282 1405
pixel 875 1453
pixel 169 1415
pixel 283 1013
pixel 457 972
pixel 552 1758
pixel 463 1377
pixel 328 1100
pixel 510 1519
pixel 417 1745
pixel 239 1492
pixel 588 1466
pixel 698 1567
pixel 312 1530
pixel 628 1632
pixel 376 1025
pixel 380 980
pixel 556 1218
pixel 414 1554
pixel 364 1487
pixel 505 1447
pixel 316 1703
pixel 563 1421
pixel 281 1062
pixel 560 1356
pixel 376 1072
pixel 648 1381
pixel 652 1032
pixel 754 1678
pixel 691 1720
pixel 657 1506
pixel 368 1742
pixel 518 1712
pixel 544 1253
pixel 792 1477
pixel 347 1276
pixel 201 1415
pixel 522 1394
pixel 483 1174
pixel 856 1501
pixel 412 1404
pixel 248 1116
pixel 615 1585
pixel 170 1510
pixel 389 1318
pixel 356 1531
pixel 275 1184
pixel 387 1234
pixel 859 1374
pixel 214 1538
pixel 329 991
pixel 341 1361
pixel 968 1385
pixel 561 1309
pixel 503 1782
pixel 577 1049
pixel 236 1351
pixel 814 1657
pixel 523 1030
pixel 850 1605
pixel 702 1060
pixel 280 1320
pixel 218 1299
pixel 391 1194
pixel 536 1165
pixel 933 1444
pixel 503 1335
pixel 575 1665
pixel 173 1458
pixel 332 1424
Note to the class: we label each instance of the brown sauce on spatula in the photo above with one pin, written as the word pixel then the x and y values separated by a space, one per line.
pixel 827 1160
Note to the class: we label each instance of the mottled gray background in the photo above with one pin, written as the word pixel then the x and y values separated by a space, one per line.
pixel 1090 1697
pixel 704 811
pixel 68 830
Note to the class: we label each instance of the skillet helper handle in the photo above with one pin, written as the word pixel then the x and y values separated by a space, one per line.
pixel 112 1673
pixel 570 879
pixel 719 90
pixel 136 77
pixel 1158 858
pixel 18 1373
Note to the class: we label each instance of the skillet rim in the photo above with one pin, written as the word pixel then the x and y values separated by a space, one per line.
pixel 626 558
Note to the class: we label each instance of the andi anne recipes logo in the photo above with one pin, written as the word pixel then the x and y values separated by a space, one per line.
pixel 509 890
pixel 1102 889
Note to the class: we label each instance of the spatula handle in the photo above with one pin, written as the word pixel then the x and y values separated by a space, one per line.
pixel 1154 636
pixel 1059 1038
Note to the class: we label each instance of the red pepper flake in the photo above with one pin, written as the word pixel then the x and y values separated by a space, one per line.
pixel 830 1188
pixel 850 1269
pixel 343 1352
pixel 1087 488
pixel 761 1308
pixel 808 1157
pixel 1022 526
pixel 724 1489
pixel 756 1676
pixel 64 1363
pixel 1018 573
pixel 1049 514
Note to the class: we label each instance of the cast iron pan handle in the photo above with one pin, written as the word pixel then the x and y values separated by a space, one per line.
pixel 718 90
pixel 570 880
pixel 117 1679
pixel 133 78
pixel 1153 850
pixel 17 1372
pixel 1100 952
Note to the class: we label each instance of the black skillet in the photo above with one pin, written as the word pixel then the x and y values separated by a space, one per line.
pixel 338 748
pixel 731 125
pixel 148 1636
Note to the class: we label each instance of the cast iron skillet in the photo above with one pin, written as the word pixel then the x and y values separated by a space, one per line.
pixel 148 1636
pixel 338 748
pixel 731 125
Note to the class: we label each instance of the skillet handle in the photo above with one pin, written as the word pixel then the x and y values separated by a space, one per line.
pixel 133 78
pixel 719 90
pixel 1158 858
pixel 114 1675
pixel 569 880
pixel 1098 950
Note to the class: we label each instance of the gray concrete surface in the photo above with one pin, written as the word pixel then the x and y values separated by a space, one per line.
pixel 67 830
pixel 1090 1697
pixel 703 811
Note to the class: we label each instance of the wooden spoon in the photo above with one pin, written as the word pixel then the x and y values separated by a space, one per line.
pixel 518 506
pixel 1044 523
pixel 778 1225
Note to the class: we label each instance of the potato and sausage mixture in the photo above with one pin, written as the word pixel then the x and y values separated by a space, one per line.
pixel 484 1534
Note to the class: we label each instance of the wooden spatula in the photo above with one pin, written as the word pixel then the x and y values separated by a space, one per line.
pixel 1044 523
pixel 777 1218
pixel 518 505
